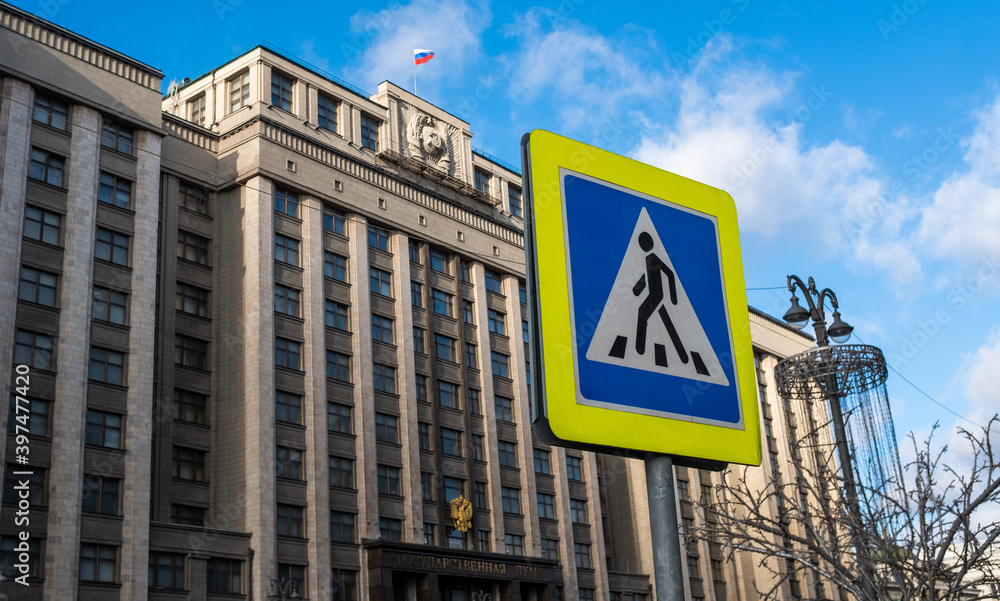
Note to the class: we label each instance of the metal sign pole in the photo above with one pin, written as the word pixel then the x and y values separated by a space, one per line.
pixel 663 525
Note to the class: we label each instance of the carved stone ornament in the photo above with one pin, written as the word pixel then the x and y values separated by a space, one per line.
pixel 461 512
pixel 428 140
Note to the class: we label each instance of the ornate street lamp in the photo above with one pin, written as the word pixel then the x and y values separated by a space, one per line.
pixel 284 589
pixel 798 317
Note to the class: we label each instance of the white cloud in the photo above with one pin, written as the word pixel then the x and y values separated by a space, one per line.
pixel 963 218
pixel 381 43
pixel 982 380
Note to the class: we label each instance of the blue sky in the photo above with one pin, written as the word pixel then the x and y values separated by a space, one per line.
pixel 860 140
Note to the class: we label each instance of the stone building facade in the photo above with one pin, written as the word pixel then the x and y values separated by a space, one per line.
pixel 274 326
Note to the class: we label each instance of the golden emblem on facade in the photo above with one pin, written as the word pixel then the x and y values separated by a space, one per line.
pixel 461 512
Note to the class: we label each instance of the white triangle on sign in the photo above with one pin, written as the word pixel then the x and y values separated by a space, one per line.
pixel 675 342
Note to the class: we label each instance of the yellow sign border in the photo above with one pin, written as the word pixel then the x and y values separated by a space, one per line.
pixel 572 422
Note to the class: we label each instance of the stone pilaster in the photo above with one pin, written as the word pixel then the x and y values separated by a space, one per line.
pixel 407 388
pixel 15 117
pixel 258 369
pixel 478 273
pixel 62 547
pixel 142 333
pixel 557 461
pixel 317 455
pixel 597 550
pixel 522 413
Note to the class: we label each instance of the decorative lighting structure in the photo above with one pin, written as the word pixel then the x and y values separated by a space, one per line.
pixel 851 380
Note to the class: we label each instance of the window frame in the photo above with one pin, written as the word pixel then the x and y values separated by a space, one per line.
pixel 326 112
pixel 193 248
pixel 114 190
pixel 118 242
pixel 44 227
pixel 44 293
pixel 289 249
pixel 369 132
pixel 54 108
pixel 380 282
pixel 117 137
pixel 279 91
pixel 46 167
pixel 239 91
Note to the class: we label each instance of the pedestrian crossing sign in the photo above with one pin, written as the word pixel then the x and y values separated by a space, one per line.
pixel 640 330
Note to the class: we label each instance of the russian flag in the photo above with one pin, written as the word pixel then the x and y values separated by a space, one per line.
pixel 422 56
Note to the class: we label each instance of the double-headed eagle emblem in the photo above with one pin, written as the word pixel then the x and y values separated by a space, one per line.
pixel 461 512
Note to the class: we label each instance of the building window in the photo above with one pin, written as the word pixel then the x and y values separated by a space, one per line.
pixel 286 202
pixel 503 409
pixel 166 570
pixel 33 349
pixel 706 495
pixel 525 333
pixel 286 250
pixel 424 436
pixel 444 347
pixel 421 386
pixel 451 442
pixel 514 544
pixel 439 262
pixel 468 312
pixel 586 594
pixel 522 293
pixel 578 511
pixel 192 352
pixel 46 167
pixel 36 485
pixel 510 499
pixel 414 252
pixel 687 527
pixel 100 494
pixel 337 316
pixel 115 191
pixel 187 515
pixel 546 506
pixel 386 428
pixel 192 247
pixel 514 200
pixel 287 407
pixel 494 282
pixel 345 585
pixel 426 486
pixel 478 448
pixel 380 282
pixel 683 494
pixel 338 366
pixel 447 394
pixel 189 464
pixel 196 110
pixel 417 294
pixel 442 302
pixel 334 221
pixel 287 353
pixel 281 91
pixel 550 549
pixel 472 397
pixel 335 266
pixel 481 496
pixel 482 180
pixel 500 364
pixel 326 112
pixel 429 533
pixel 117 137
pixel 34 416
pixel 471 356
pixel 41 225
pixel 463 271
pixel 192 300
pixel 369 132
pixel 384 378
pixel 296 573
pixel 388 480
pixel 378 238
pixel 542 462
pixel 341 527
pixel 288 463
pixel 50 112
pixel 286 300
pixel 574 470
pixel 496 322
pixel 390 529
pixel 239 91
pixel 341 472
pixel 338 418
pixel 483 543
pixel 382 329
pixel 694 570
pixel 225 576
pixel 507 452
pixel 717 573
pixel 288 519
pixel 190 407
pixel 453 487
pixel 111 246
pixel 107 366
pixel 193 198
pixel 418 340
pixel 98 562
pixel 581 553
pixel 37 287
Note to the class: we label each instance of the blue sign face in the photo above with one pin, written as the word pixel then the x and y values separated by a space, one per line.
pixel 647 305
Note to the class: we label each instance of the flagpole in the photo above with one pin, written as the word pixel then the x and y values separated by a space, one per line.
pixel 414 70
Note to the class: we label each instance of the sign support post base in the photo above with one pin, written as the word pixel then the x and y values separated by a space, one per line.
pixel 667 572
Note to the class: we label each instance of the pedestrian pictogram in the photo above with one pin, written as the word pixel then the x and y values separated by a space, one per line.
pixel 648 322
